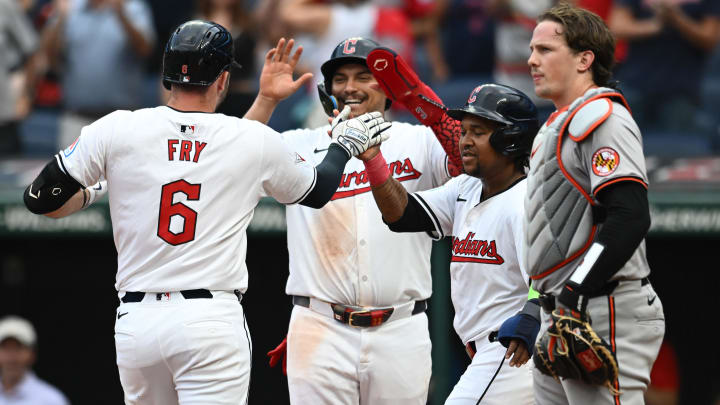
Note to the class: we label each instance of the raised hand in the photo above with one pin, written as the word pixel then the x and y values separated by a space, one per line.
pixel 276 77
pixel 357 134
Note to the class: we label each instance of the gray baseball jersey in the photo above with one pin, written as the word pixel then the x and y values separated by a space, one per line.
pixel 600 145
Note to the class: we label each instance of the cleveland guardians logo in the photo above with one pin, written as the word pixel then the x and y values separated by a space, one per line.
pixel 349 47
pixel 605 161
pixel 473 95
pixel 400 170
pixel 475 250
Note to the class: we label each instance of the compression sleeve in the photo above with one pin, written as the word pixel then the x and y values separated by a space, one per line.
pixel 50 189
pixel 627 223
pixel 329 173
pixel 414 219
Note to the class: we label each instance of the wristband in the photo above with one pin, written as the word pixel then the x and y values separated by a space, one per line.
pixel 377 170
pixel 94 193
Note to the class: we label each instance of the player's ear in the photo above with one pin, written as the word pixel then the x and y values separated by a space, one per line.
pixel 223 81
pixel 585 60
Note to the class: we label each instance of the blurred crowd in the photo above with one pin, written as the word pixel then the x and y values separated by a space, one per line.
pixel 66 63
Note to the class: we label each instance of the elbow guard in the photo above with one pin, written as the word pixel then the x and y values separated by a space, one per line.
pixel 50 190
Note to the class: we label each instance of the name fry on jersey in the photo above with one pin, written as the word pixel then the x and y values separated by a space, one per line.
pixel 185 148
pixel 401 170
pixel 475 250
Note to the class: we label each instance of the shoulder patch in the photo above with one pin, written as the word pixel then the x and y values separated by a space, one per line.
pixel 588 117
pixel 70 149
pixel 605 161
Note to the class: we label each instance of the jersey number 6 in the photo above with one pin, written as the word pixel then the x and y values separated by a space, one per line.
pixel 168 210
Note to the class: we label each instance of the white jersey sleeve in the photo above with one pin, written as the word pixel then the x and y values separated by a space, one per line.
pixel 439 203
pixel 286 175
pixel 85 159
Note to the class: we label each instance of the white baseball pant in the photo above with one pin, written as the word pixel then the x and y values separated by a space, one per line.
pixel 511 385
pixel 172 350
pixel 332 363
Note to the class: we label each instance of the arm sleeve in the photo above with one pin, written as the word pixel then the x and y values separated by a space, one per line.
pixel 414 219
pixel 439 205
pixel 329 172
pixel 627 223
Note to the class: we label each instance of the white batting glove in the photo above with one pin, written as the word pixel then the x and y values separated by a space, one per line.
pixel 94 192
pixel 357 134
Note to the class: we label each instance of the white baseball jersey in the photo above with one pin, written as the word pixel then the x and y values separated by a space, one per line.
pixel 182 189
pixel 343 253
pixel 488 281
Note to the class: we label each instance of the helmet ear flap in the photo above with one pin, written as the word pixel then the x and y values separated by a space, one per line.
pixel 510 140
pixel 502 138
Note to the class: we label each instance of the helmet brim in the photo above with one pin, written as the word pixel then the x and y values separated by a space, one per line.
pixel 459 113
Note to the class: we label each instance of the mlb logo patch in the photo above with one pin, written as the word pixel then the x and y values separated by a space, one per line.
pixel 187 129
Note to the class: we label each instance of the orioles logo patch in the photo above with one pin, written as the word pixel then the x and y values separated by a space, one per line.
pixel 605 161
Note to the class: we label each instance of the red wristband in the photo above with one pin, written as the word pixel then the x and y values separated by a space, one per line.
pixel 377 170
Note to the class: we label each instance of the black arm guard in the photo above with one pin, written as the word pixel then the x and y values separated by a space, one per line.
pixel 329 173
pixel 50 189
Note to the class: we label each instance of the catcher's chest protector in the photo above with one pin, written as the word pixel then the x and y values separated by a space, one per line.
pixel 558 216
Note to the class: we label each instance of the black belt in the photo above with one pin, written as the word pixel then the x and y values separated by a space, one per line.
pixel 137 296
pixel 363 317
pixel 547 301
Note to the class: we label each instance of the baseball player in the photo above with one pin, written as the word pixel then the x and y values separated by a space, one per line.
pixel 358 332
pixel 183 183
pixel 586 209
pixel 482 211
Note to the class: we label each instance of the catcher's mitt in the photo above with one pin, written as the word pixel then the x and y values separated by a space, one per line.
pixel 570 348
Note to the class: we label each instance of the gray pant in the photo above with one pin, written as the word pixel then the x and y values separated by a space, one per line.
pixel 632 321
